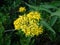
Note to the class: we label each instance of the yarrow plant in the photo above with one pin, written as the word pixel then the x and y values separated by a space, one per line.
pixel 29 23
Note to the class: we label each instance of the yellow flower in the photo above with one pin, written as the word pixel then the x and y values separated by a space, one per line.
pixel 34 15
pixel 22 9
pixel 27 32
pixel 29 24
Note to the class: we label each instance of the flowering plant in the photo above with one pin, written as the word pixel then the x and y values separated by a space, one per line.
pixel 29 22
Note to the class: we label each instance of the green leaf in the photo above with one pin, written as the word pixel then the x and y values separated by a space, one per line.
pixel 31 6
pixel 57 13
pixel 52 33
pixel 53 20
pixel 48 6
pixel 55 3
pixel 44 9
pixel 38 8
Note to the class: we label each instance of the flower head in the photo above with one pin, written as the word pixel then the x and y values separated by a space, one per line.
pixel 29 24
pixel 22 9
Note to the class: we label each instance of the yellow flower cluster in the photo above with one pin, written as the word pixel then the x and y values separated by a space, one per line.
pixel 34 15
pixel 29 24
pixel 22 9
